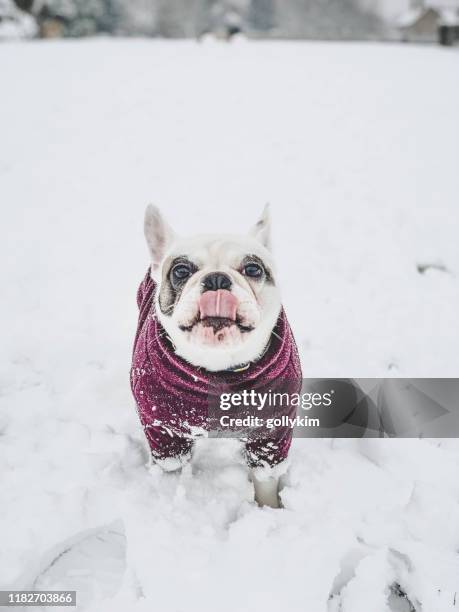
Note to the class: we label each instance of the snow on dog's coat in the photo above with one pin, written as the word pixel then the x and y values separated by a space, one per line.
pixel 211 322
pixel 173 396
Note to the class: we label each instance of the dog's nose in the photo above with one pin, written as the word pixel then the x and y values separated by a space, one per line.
pixel 215 281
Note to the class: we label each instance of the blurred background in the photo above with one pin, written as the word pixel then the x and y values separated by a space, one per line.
pixel 392 20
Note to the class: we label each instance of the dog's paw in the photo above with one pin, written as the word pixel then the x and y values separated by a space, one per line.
pixel 266 491
pixel 173 464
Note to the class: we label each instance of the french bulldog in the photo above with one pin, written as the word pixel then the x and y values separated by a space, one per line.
pixel 210 309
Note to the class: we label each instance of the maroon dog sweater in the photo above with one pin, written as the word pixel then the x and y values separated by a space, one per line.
pixel 177 401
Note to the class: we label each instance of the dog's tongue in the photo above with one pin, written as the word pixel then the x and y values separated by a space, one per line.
pixel 221 303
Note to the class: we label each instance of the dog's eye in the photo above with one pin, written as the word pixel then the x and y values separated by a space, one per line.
pixel 181 272
pixel 253 270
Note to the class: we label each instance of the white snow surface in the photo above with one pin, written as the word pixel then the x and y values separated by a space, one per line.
pixel 356 148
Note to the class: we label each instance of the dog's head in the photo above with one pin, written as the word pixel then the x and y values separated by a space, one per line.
pixel 216 298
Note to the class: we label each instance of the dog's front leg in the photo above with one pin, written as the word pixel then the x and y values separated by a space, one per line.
pixel 266 490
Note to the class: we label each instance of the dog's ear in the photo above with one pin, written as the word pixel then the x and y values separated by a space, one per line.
pixel 262 229
pixel 158 233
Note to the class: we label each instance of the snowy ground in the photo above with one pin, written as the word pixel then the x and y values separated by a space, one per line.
pixel 356 147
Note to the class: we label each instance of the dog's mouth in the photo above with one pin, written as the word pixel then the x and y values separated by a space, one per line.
pixel 218 310
pixel 217 323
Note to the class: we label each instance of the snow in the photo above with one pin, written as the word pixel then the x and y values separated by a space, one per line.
pixel 446 16
pixel 449 16
pixel 355 146
pixel 410 17
pixel 15 23
pixel 443 4
pixel 387 9
pixel 393 10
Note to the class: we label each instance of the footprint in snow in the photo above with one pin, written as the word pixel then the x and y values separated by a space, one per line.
pixel 92 563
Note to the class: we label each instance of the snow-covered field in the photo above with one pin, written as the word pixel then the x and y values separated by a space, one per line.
pixel 356 147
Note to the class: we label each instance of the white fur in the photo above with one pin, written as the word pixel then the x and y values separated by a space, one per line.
pixel 266 491
pixel 262 229
pixel 259 303
pixel 159 235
